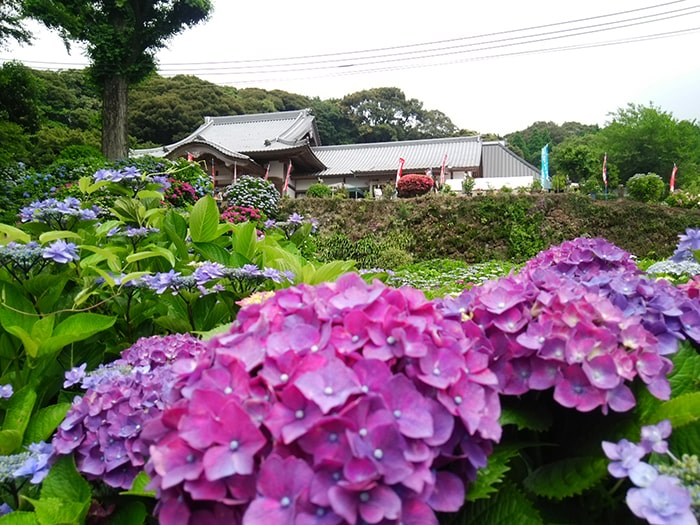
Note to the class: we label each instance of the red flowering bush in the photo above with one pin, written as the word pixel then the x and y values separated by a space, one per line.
pixel 236 214
pixel 412 185
pixel 180 193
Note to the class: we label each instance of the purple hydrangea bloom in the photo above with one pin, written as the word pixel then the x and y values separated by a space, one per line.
pixel 103 428
pixel 663 502
pixel 74 376
pixel 5 509
pixel 295 219
pixel 654 437
pixel 61 252
pixel 6 391
pixel 356 388
pixel 38 463
pixel 625 455
pixel 688 243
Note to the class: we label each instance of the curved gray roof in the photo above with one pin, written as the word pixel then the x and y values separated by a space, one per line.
pixel 462 152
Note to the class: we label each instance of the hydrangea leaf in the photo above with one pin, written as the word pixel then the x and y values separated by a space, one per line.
pixel 326 273
pixel 19 517
pixel 245 240
pixel 19 410
pixel 204 220
pixel 213 252
pixel 686 439
pixel 57 510
pixel 139 487
pixel 13 307
pixel 526 418
pixel 57 234
pixel 151 252
pixel 64 483
pixel 132 513
pixel 566 478
pixel 77 327
pixel 681 410
pixel 44 422
pixel 10 441
pixel 175 227
pixel 686 370
pixel 508 505
pixel 10 233
pixel 492 475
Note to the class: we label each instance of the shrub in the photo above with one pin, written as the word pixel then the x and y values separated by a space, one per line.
pixel 253 192
pixel 412 185
pixel 559 183
pixel 319 190
pixel 683 199
pixel 468 185
pixel 645 187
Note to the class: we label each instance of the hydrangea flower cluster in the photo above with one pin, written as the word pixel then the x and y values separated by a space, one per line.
pixel 131 231
pixel 253 192
pixel 207 276
pixel 236 214
pixel 580 319
pixel 61 252
pixel 26 258
pixel 34 464
pixel 58 214
pixel 688 243
pixel 103 428
pixel 665 311
pixel 338 403
pixel 292 224
pixel 658 496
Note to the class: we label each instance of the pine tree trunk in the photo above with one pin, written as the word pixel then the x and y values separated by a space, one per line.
pixel 115 139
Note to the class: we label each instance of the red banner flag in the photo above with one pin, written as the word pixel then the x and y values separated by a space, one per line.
pixel 190 157
pixel 267 171
pixel 442 171
pixel 398 173
pixel 213 171
pixel 673 177
pixel 605 169
pixel 286 179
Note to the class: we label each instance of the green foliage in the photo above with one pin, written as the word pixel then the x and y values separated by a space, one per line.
pixel 645 187
pixel 683 199
pixel 18 95
pixel 319 190
pixel 468 185
pixel 559 183
pixel 369 251
pixel 254 192
pixel 11 23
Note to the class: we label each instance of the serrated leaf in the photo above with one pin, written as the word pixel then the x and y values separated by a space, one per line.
pixel 681 410
pixel 508 506
pixel 244 240
pixel 492 474
pixel 212 252
pixel 10 440
pixel 526 418
pixel 64 482
pixel 57 511
pixel 686 370
pixel 44 422
pixel 567 477
pixel 77 327
pixel 19 517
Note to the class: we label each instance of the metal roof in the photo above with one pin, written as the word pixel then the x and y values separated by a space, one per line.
pixel 462 152
pixel 499 161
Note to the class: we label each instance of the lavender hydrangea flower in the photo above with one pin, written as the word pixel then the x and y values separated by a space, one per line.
pixel 5 509
pixel 688 244
pixel 6 391
pixel 74 376
pixel 663 502
pixel 61 252
pixel 38 463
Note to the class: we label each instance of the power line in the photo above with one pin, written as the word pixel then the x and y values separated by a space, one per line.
pixel 433 53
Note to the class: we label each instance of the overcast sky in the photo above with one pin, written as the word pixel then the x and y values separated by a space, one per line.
pixel 489 66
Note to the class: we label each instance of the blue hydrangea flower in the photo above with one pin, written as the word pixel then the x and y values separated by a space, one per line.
pixel 61 251
pixel 6 391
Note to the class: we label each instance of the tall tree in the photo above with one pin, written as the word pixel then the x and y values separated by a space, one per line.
pixel 121 39
pixel 11 27
pixel 19 92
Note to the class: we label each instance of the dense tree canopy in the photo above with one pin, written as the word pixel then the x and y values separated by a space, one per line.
pixel 19 91
pixel 121 40
pixel 11 27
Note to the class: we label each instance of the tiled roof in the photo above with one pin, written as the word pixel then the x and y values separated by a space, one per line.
pixel 250 134
pixel 419 155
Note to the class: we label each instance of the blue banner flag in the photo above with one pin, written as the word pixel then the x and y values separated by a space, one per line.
pixel 544 174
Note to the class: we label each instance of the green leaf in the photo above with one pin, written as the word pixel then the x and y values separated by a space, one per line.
pixel 57 511
pixel 567 477
pixel 326 273
pixel 506 507
pixel 10 233
pixel 204 220
pixel 10 441
pixel 150 194
pixel 15 308
pixel 155 251
pixel 65 482
pixel 44 422
pixel 77 327
pixel 138 487
pixel 58 234
pixel 492 474
pixel 19 517
pixel 245 240
pixel 681 410
pixel 19 410
pixel 526 418
pixel 213 252
pixel 685 377
pixel 104 254
pixel 133 513
pixel 175 227
pixel 31 347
